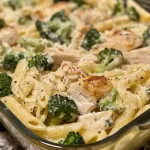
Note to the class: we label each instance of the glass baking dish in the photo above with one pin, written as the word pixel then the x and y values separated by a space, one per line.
pixel 130 137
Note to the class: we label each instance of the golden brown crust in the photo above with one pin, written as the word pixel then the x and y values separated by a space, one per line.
pixel 129 40
pixel 38 15
pixel 98 86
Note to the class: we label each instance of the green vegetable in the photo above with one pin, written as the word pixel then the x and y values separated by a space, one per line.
pixel 119 8
pixel 78 2
pixel 61 110
pixel 24 20
pixel 60 16
pixel 133 14
pixel 41 62
pixel 17 4
pixel 110 59
pixel 5 83
pixel 31 44
pixel 91 38
pixel 11 60
pixel 57 29
pixel 146 37
pixel 55 1
pixel 14 4
pixel 110 102
pixel 2 23
pixel 73 138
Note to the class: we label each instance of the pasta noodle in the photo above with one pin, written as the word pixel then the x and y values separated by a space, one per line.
pixel 57 132
pixel 29 120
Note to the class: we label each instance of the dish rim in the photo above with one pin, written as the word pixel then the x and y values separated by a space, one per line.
pixel 16 123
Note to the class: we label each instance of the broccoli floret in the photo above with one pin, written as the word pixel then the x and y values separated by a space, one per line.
pixel 11 60
pixel 73 138
pixel 78 2
pixel 55 1
pixel 17 4
pixel 31 44
pixel 2 23
pixel 146 37
pixel 24 20
pixel 61 110
pixel 57 29
pixel 91 38
pixel 110 59
pixel 41 62
pixel 5 83
pixel 133 14
pixel 110 102
pixel 14 4
pixel 60 16
pixel 119 8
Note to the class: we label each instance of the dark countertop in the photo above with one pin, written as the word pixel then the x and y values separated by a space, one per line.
pixel 7 142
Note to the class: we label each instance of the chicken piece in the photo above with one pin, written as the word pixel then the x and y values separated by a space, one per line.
pixel 128 39
pixel 85 93
pixel 8 35
pixel 60 56
pixel 123 40
pixel 71 73
pixel 97 86
pixel 98 121
pixel 138 56
pixel 66 74
pixel 90 16
pixel 84 102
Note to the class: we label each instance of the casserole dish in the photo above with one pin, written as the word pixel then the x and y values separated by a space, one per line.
pixel 130 137
pixel 77 91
